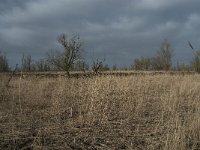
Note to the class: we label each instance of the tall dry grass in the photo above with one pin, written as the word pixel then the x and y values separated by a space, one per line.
pixel 133 112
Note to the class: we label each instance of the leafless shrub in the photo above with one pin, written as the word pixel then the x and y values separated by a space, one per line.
pixel 97 66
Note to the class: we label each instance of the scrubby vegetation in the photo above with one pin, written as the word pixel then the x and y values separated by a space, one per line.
pixel 102 112
pixel 90 107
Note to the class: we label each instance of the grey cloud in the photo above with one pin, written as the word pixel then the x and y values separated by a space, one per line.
pixel 115 29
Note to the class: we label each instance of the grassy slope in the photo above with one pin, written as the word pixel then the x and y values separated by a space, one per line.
pixel 110 112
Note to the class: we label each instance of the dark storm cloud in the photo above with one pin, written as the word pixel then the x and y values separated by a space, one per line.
pixel 113 29
pixel 7 5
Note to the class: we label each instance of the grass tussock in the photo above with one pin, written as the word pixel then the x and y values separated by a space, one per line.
pixel 110 112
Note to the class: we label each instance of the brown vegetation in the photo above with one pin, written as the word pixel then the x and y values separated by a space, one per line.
pixel 104 112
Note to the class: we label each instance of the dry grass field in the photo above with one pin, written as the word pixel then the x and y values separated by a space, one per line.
pixel 104 112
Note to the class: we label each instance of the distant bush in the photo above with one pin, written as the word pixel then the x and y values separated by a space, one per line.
pixel 97 66
pixel 80 66
pixel 196 58
pixel 4 67
pixel 182 67
pixel 142 63
pixel 161 61
pixel 196 61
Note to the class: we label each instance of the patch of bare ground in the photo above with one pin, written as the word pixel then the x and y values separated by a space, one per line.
pixel 106 112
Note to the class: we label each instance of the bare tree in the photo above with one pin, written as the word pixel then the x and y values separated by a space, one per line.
pixel 72 52
pixel 27 63
pixel 163 58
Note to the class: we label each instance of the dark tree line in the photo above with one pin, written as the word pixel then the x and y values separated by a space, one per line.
pixel 161 61
pixel 3 63
pixel 70 59
pixel 29 65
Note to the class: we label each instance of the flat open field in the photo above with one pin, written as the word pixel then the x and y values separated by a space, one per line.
pixel 160 111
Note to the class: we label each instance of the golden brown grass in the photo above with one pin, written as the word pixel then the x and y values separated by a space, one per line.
pixel 108 112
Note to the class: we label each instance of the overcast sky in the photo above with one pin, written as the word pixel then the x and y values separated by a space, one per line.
pixel 117 30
